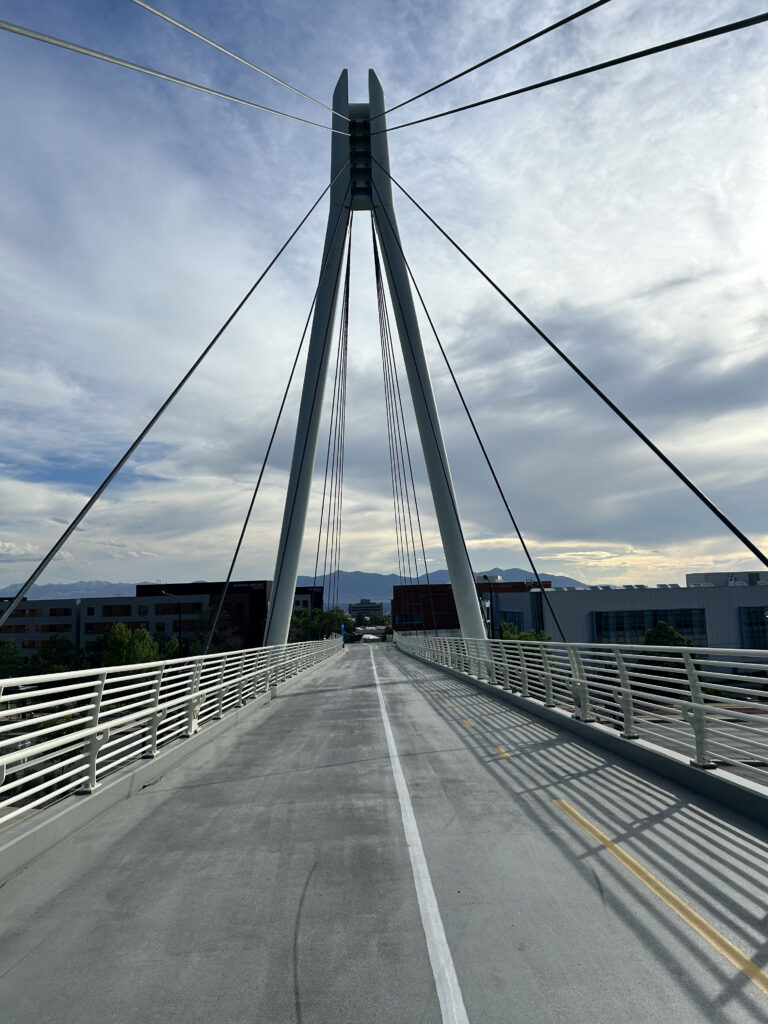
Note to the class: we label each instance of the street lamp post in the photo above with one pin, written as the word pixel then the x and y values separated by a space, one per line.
pixel 490 604
pixel 177 599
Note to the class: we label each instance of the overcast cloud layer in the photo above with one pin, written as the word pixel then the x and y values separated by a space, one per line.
pixel 626 212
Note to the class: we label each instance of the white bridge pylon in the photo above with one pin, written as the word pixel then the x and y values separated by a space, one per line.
pixel 359 183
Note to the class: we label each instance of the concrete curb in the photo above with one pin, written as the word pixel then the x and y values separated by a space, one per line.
pixel 36 835
pixel 740 795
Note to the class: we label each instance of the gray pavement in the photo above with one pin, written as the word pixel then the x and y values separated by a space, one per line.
pixel 268 878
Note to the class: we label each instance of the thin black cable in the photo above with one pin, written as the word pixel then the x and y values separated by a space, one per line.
pixel 501 53
pixel 734 26
pixel 281 554
pixel 242 60
pixel 590 384
pixel 385 330
pixel 41 37
pixel 258 483
pixel 267 453
pixel 483 449
pixel 129 452
pixel 443 467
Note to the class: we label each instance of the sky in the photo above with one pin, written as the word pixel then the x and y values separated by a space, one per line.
pixel 626 212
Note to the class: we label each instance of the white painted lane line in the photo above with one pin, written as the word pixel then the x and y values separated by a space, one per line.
pixel 446 982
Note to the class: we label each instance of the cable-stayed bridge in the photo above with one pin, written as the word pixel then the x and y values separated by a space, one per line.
pixel 454 829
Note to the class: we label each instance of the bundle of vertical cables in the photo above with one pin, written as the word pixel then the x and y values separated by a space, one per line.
pixel 404 500
pixel 333 481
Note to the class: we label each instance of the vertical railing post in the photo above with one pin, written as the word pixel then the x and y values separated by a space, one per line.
pixel 579 686
pixel 504 665
pixel 490 661
pixel 195 699
pixel 221 689
pixel 524 690
pixel 547 678
pixel 623 695
pixel 97 739
pixel 697 716
pixel 157 715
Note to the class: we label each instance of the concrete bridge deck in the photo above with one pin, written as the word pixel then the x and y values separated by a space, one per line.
pixel 269 879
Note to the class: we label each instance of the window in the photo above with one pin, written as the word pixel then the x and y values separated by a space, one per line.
pixel 14 629
pixel 115 610
pixel 159 627
pixel 27 613
pixel 630 627
pixel 754 627
pixel 31 645
pixel 166 609
pixel 52 627
pixel 143 609
pixel 53 612
pixel 89 611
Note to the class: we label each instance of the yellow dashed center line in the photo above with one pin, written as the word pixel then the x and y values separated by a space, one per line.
pixel 502 752
pixel 448 704
pixel 466 721
pixel 719 942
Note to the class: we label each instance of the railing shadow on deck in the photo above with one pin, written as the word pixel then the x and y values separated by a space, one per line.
pixel 684 841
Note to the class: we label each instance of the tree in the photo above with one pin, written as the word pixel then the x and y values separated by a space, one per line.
pixel 319 624
pixel 662 635
pixel 115 650
pixel 509 631
pixel 121 647
pixel 57 654
pixel 167 646
pixel 11 662
pixel 142 647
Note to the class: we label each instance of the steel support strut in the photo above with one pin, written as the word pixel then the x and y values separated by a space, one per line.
pixel 315 374
pixel 435 457
pixel 364 186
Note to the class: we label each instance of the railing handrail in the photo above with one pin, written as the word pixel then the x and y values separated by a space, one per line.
pixel 701 701
pixel 116 714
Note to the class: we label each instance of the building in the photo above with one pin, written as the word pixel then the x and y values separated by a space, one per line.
pixel 365 608
pixel 727 579
pixel 308 598
pixel 34 622
pixel 423 606
pixel 183 610
pixel 729 615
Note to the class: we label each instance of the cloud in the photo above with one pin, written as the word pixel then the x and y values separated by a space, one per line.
pixel 626 213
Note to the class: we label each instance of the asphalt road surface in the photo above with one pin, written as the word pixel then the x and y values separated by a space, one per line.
pixel 385 844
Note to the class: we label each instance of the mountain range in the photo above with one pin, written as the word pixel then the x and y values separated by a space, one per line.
pixel 352 586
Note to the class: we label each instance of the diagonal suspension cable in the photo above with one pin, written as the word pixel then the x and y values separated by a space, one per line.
pixel 495 56
pixel 711 33
pixel 86 51
pixel 129 452
pixel 264 461
pixel 392 388
pixel 483 448
pixel 590 383
pixel 229 53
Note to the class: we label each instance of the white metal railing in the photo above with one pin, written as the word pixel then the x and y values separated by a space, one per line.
pixel 62 733
pixel 706 703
